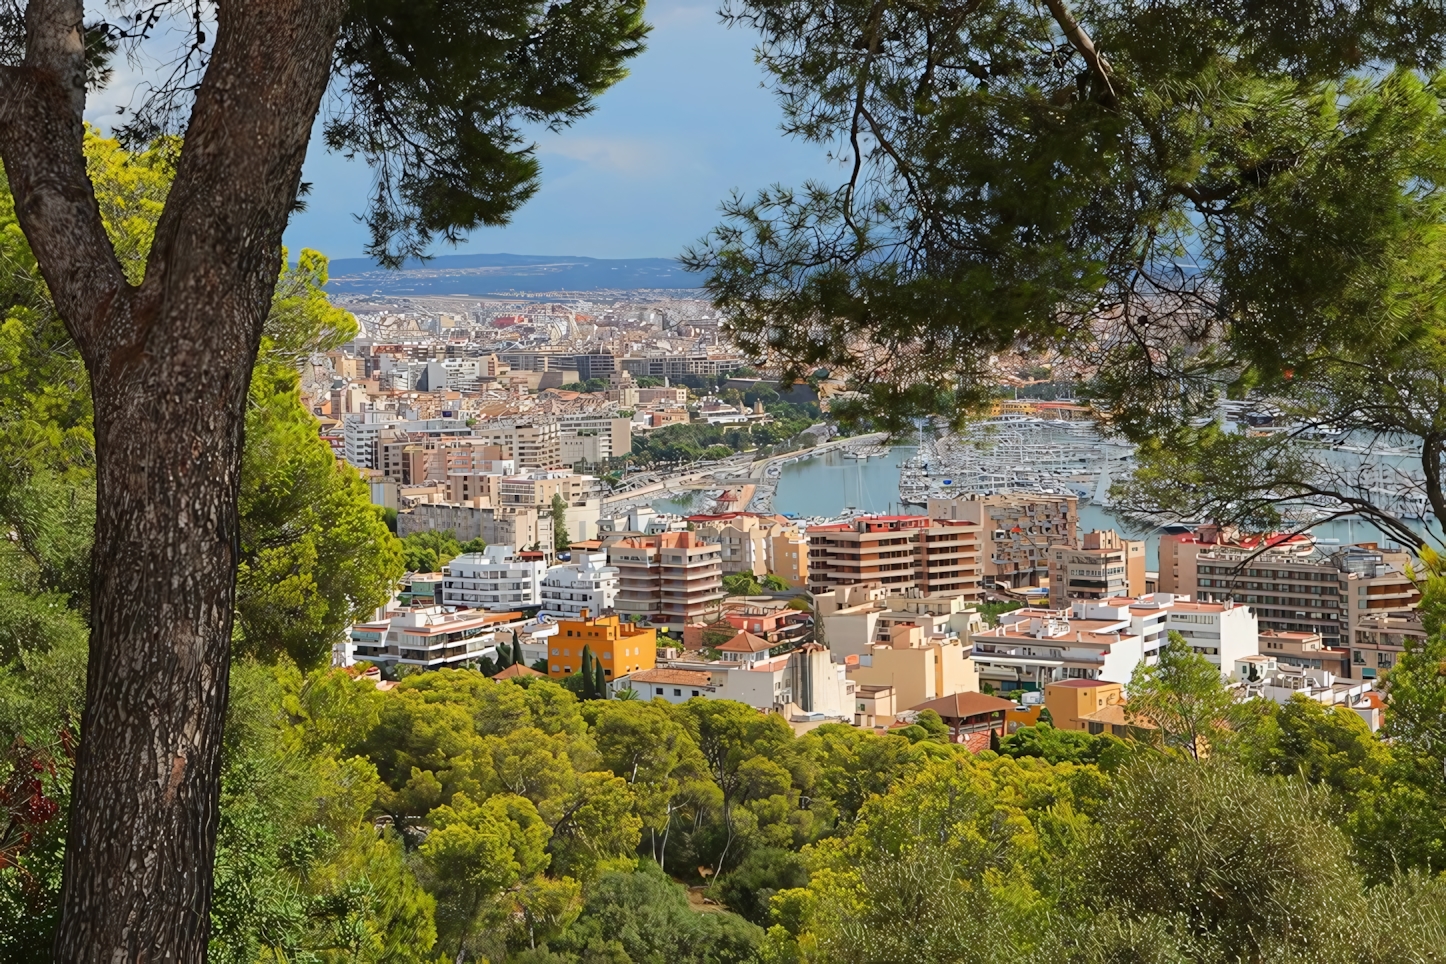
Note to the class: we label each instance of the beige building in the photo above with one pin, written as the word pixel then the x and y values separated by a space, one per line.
pixel 672 579
pixel 520 526
pixel 532 444
pixel 1017 532
pixel 855 619
pixel 919 668
pixel 582 493
pixel 1293 592
pixel 760 544
pixel 897 552
pixel 1104 565
pixel 1379 640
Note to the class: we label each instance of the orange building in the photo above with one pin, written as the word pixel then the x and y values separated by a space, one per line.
pixel 621 647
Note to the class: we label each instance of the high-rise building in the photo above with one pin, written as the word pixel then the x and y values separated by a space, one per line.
pixel 1291 592
pixel 672 578
pixel 897 552
pixel 1017 531
pixel 1103 565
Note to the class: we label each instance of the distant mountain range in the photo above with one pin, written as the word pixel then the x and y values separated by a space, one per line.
pixel 500 274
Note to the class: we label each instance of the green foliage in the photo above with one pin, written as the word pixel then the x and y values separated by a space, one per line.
pixel 438 97
pixel 1183 695
pixel 1065 746
pixel 989 198
pixel 692 442
pixel 646 917
pixel 429 551
pixel 749 888
pixel 742 584
pixel 316 555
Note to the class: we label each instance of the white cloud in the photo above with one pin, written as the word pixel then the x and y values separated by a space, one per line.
pixel 633 156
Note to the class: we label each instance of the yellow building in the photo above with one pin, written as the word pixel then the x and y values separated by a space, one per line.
pixel 621 647
pixel 918 668
pixel 1069 701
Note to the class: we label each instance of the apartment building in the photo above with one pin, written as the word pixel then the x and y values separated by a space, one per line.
pixel 621 647
pixel 1220 632
pixel 853 620
pixel 1377 641
pixel 614 434
pixel 1305 651
pixel 806 678
pixel 495 525
pixel 672 578
pixel 898 553
pixel 588 584
pixel 1103 565
pixel 920 666
pixel 1180 550
pixel 1033 647
pixel 531 443
pixel 362 433
pixel 1017 532
pixel 430 637
pixel 759 544
pixel 673 366
pixel 582 493
pixel 497 577
pixel 1318 593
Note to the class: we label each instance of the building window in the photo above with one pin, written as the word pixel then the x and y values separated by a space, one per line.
pixel 695 692
pixel 677 692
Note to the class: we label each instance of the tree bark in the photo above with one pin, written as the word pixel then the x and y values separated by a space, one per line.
pixel 170 363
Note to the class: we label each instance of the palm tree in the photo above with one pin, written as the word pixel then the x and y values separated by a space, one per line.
pixel 626 694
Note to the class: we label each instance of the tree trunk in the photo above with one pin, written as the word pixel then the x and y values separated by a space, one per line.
pixel 170 363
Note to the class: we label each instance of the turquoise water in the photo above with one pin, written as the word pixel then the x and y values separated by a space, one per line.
pixel 828 484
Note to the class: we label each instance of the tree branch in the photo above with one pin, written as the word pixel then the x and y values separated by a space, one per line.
pixel 1081 42
pixel 42 105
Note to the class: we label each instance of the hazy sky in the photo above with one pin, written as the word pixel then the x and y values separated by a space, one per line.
pixel 641 177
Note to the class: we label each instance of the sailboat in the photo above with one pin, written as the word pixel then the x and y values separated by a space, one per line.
pixel 1102 488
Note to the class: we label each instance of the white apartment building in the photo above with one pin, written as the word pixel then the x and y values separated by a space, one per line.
pixel 1221 632
pixel 429 637
pixel 496 578
pixel 589 583
pixel 1033 647
pixel 806 678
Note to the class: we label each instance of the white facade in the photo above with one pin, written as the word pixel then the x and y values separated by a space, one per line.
pixel 496 578
pixel 1221 632
pixel 1033 647
pixel 588 583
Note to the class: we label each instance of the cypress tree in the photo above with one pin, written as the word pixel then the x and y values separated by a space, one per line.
pixel 600 682
pixel 516 650
pixel 994 740
pixel 587 692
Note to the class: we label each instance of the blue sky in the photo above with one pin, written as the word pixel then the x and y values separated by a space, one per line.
pixel 641 177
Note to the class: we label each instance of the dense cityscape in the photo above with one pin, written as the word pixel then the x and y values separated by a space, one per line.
pixel 986 506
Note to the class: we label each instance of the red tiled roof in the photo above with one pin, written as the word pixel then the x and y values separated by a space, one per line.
pixel 961 705
pixel 516 670
pixel 745 642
